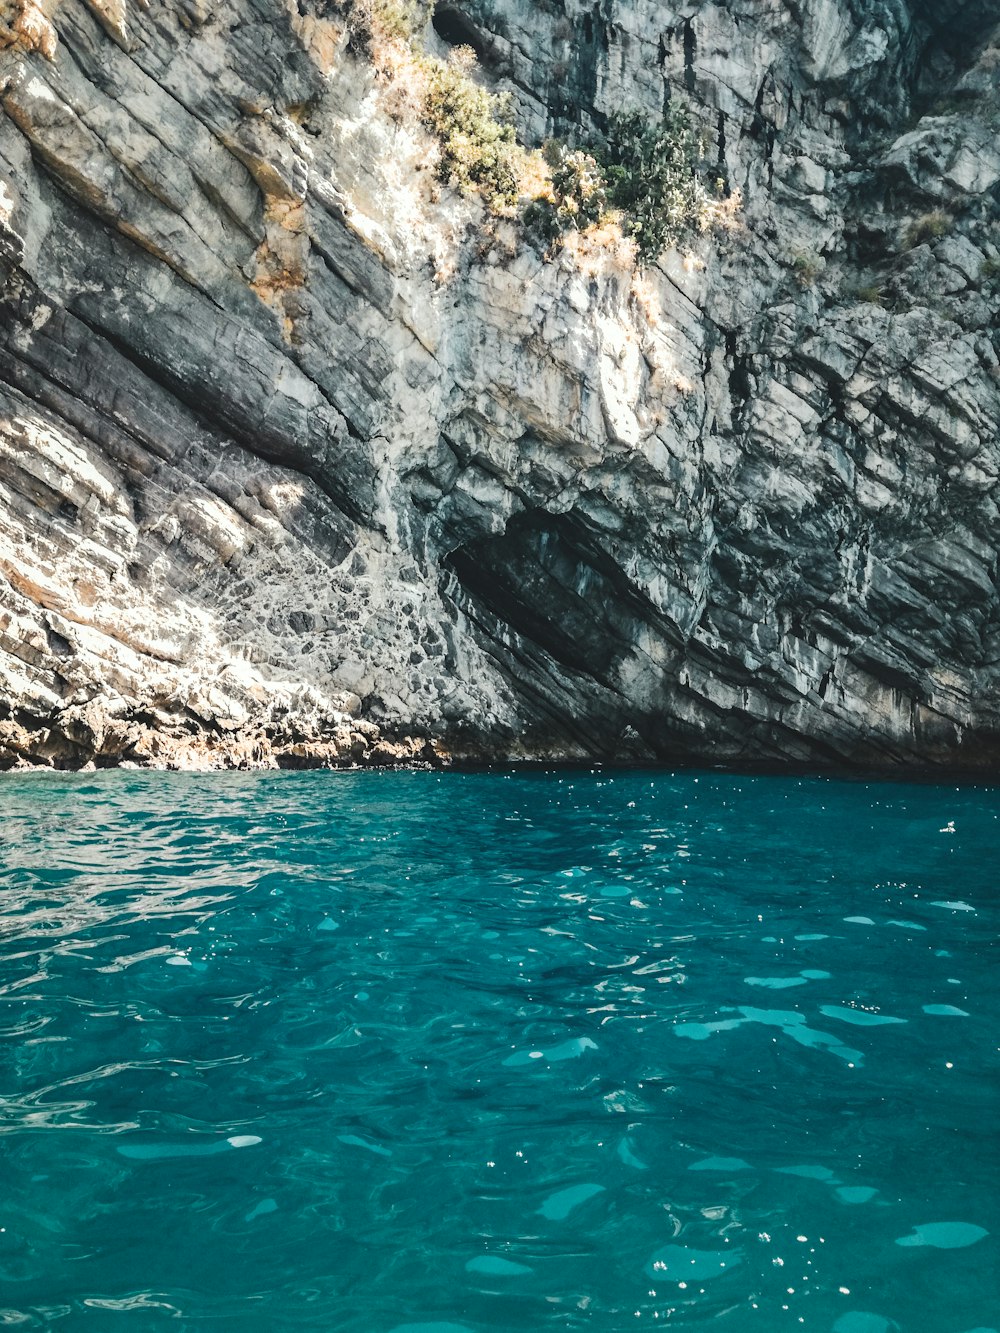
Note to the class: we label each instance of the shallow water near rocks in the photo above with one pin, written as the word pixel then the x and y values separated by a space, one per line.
pixel 381 1052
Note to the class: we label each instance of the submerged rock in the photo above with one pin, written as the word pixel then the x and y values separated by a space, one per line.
pixel 304 460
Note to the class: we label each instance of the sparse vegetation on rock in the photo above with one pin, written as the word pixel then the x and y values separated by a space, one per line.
pixel 373 23
pixel 807 268
pixel 928 227
pixel 479 148
pixel 472 125
pixel 641 179
pixel 577 199
pixel 867 294
pixel 643 175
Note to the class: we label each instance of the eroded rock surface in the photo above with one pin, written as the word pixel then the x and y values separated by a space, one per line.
pixel 303 460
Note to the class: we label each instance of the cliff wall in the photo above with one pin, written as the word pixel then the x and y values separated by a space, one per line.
pixel 305 458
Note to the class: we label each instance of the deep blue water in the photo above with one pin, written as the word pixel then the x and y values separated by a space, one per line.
pixel 498 1052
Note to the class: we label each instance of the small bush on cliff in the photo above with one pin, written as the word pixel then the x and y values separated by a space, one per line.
pixel 371 23
pixel 479 148
pixel 806 268
pixel 651 177
pixel 402 18
pixel 928 227
pixel 473 127
pixel 577 197
pixel 872 294
pixel 643 174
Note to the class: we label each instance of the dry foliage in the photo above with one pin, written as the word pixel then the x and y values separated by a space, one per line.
pixel 602 248
pixel 928 227
pixel 646 298
pixel 719 212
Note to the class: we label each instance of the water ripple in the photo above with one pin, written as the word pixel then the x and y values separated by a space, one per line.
pixel 413 1051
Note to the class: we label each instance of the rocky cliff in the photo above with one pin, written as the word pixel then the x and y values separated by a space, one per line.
pixel 306 459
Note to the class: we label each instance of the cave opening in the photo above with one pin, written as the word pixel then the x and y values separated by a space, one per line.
pixel 457 29
pixel 547 579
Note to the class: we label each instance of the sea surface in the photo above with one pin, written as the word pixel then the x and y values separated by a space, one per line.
pixel 381 1052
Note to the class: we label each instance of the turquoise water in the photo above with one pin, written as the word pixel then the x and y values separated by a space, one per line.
pixel 498 1052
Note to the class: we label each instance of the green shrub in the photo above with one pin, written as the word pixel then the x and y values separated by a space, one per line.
pixel 643 174
pixel 579 199
pixel 807 268
pixel 870 295
pixel 650 173
pixel 990 271
pixel 473 127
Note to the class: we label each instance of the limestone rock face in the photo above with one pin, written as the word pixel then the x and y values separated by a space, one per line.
pixel 305 460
